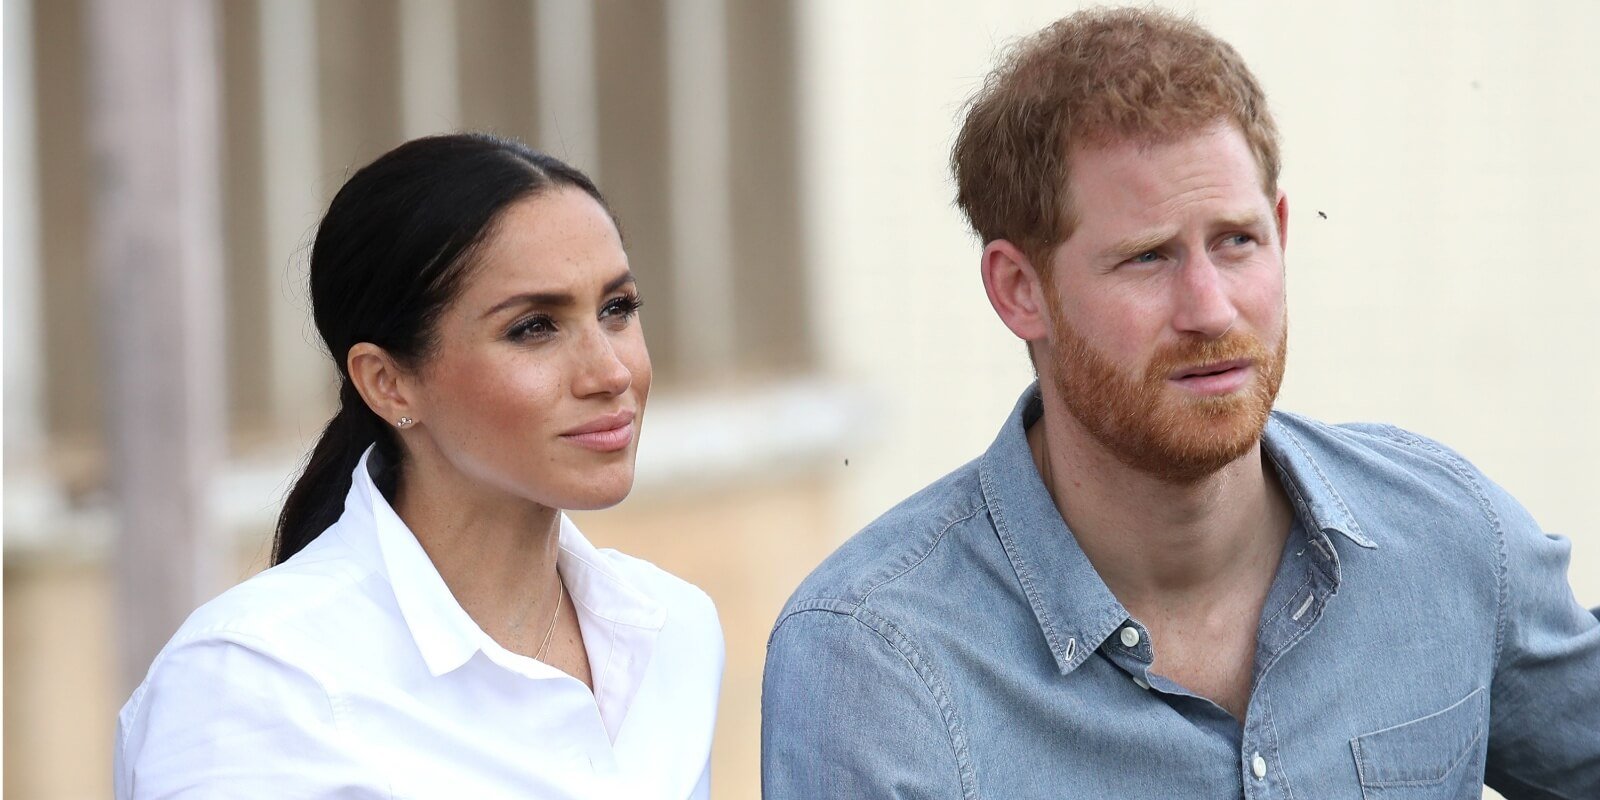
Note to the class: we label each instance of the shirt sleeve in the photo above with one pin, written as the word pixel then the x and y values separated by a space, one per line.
pixel 219 718
pixel 845 714
pixel 1544 734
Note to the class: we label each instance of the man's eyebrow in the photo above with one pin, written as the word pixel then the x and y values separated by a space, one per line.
pixel 1142 243
pixel 556 299
pixel 1145 242
pixel 1251 220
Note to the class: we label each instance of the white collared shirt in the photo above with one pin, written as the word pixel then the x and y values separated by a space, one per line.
pixel 351 671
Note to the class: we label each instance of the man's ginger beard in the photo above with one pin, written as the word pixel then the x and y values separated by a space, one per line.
pixel 1149 424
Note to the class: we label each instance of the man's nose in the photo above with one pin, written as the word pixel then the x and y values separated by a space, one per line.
pixel 1201 301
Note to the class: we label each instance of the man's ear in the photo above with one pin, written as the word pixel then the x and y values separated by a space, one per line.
pixel 381 382
pixel 1282 212
pixel 1016 290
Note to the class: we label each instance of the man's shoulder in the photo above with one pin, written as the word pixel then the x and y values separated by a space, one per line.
pixel 1394 481
pixel 1371 449
pixel 891 548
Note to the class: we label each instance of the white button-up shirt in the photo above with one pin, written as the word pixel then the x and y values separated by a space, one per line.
pixel 351 671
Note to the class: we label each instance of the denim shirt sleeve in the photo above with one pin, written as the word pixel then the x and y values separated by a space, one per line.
pixel 845 713
pixel 1544 734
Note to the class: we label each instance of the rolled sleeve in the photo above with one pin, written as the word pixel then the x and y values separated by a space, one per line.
pixel 1544 738
pixel 846 713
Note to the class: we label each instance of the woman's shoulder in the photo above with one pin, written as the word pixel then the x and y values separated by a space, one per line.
pixel 322 595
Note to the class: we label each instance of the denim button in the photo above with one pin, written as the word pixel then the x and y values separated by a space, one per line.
pixel 1143 684
pixel 1130 636
pixel 1258 767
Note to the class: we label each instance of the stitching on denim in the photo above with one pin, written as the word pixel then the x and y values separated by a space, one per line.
pixel 1466 750
pixel 1272 733
pixel 829 604
pixel 1024 574
pixel 1338 499
pixel 1361 767
pixel 1329 553
pixel 1271 618
pixel 907 649
pixel 1465 473
pixel 1289 485
pixel 932 545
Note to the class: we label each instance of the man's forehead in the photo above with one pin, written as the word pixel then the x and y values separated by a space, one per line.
pixel 1137 182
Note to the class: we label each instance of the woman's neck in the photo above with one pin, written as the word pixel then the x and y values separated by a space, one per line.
pixel 496 552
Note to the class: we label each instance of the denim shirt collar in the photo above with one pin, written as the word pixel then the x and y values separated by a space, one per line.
pixel 1075 609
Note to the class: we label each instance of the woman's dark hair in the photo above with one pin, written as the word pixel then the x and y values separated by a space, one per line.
pixel 390 255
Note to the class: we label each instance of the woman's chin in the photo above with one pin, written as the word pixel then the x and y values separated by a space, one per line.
pixel 598 495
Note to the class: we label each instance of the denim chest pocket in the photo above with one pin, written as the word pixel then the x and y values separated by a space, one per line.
pixel 1424 758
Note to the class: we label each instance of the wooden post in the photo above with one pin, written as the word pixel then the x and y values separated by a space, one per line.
pixel 698 131
pixel 158 254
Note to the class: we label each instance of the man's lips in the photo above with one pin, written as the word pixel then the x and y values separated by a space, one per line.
pixel 604 433
pixel 1216 378
pixel 1213 368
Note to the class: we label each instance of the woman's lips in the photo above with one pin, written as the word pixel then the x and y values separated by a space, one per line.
pixel 604 434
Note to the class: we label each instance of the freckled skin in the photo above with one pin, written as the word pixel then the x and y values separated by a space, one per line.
pixel 495 408
pixel 1195 286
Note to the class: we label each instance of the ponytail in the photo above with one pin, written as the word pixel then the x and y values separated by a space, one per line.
pixel 317 499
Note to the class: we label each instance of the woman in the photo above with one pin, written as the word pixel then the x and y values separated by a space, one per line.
pixel 434 626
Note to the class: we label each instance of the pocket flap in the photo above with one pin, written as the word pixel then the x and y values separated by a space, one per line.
pixel 1421 751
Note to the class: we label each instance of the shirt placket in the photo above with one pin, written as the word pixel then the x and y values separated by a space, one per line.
pixel 1312 567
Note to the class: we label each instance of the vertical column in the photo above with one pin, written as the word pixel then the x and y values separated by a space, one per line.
pixel 24 376
pixel 569 117
pixel 158 251
pixel 291 159
pixel 697 93
pixel 429 71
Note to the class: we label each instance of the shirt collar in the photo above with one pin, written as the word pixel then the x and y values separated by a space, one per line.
pixel 1318 503
pixel 445 634
pixel 1074 608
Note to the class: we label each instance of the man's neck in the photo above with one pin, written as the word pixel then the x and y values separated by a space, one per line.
pixel 1157 544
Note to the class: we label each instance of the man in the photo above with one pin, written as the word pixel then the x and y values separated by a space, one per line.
pixel 1151 584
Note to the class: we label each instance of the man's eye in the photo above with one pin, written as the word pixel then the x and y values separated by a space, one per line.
pixel 1148 257
pixel 1239 239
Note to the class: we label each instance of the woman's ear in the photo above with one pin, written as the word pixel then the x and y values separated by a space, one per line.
pixel 386 388
pixel 1016 290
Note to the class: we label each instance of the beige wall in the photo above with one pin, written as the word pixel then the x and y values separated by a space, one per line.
pixel 1451 288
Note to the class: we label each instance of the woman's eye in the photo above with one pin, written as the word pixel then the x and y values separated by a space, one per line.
pixel 531 328
pixel 621 307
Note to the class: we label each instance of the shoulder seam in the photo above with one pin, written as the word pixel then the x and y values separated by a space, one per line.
pixel 904 647
pixel 933 545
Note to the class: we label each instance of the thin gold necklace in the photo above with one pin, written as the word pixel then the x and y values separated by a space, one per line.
pixel 560 593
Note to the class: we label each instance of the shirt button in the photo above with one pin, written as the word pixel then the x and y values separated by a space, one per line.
pixel 1258 767
pixel 1141 682
pixel 1130 636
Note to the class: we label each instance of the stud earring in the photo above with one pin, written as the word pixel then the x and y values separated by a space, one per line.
pixel 405 422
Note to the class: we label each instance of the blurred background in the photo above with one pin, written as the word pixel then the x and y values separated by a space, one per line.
pixel 821 338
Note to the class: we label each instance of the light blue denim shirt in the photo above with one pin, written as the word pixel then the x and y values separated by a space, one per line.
pixel 1419 639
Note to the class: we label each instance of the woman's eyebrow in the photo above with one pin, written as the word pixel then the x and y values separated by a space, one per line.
pixel 556 299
